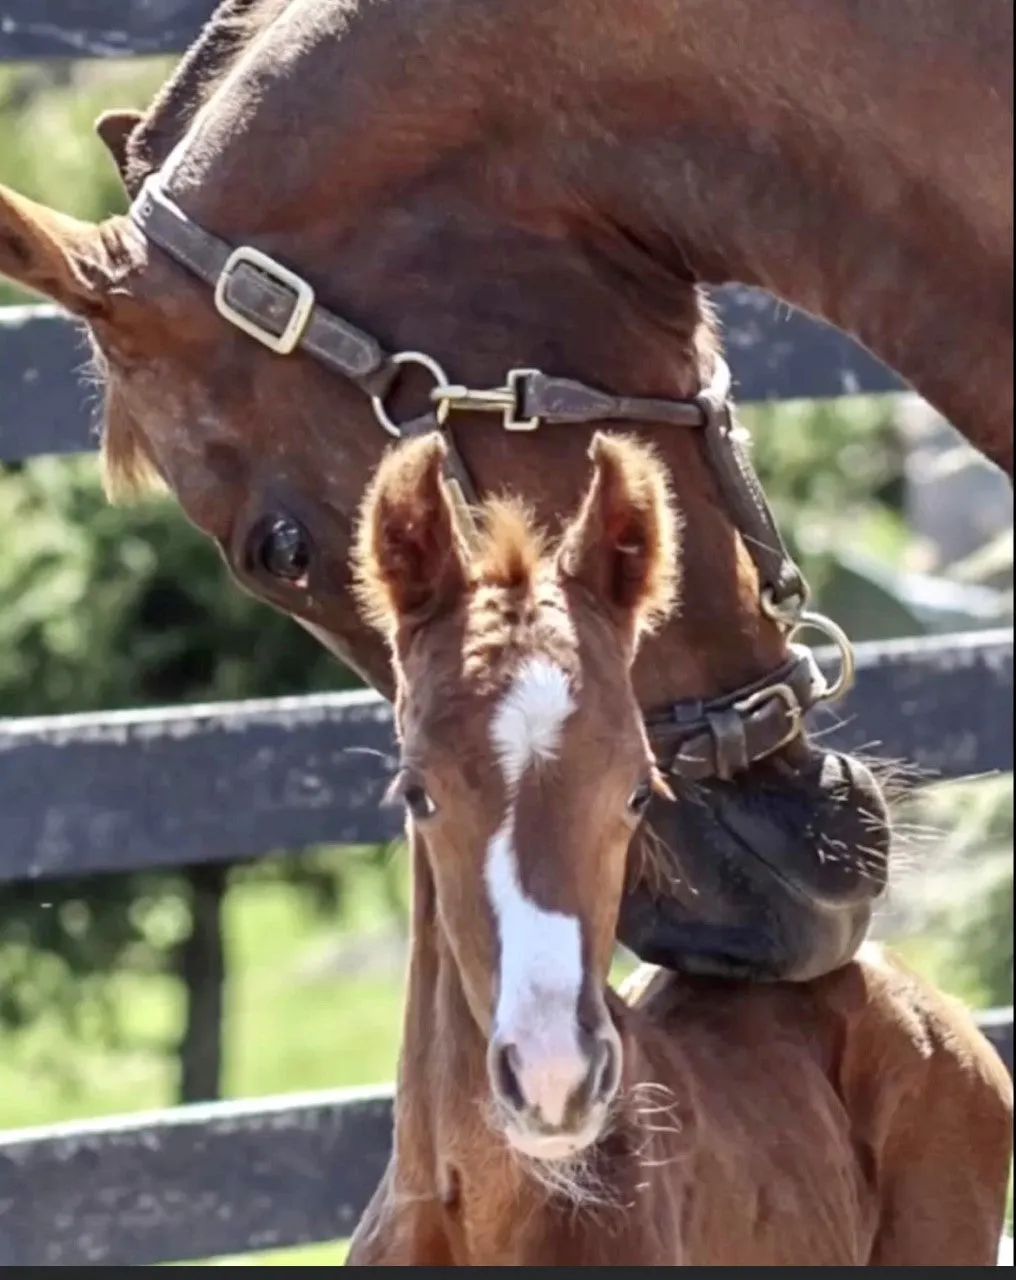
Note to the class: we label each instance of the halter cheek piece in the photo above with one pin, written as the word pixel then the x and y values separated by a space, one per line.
pixel 714 738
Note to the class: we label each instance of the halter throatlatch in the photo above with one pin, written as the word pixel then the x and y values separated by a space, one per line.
pixel 712 738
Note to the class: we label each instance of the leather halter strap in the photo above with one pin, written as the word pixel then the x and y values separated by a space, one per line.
pixel 276 307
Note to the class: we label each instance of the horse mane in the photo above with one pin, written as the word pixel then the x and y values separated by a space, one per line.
pixel 225 36
pixel 127 470
pixel 126 466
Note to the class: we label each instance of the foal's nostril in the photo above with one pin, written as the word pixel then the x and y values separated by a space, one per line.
pixel 506 1063
pixel 554 1092
pixel 605 1075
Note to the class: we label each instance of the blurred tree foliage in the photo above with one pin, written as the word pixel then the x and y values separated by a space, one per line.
pixel 833 470
pixel 107 607
pixel 959 904
pixel 104 607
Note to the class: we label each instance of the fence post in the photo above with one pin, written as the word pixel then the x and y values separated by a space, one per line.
pixel 202 970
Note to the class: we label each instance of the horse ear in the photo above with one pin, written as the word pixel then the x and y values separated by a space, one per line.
pixel 115 129
pixel 53 254
pixel 410 560
pixel 622 546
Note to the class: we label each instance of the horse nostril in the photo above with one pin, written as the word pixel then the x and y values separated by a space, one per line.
pixel 605 1072
pixel 506 1063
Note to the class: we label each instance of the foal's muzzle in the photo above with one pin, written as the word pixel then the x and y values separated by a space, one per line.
pixel 553 1103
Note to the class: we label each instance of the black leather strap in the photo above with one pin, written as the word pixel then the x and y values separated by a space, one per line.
pixel 720 737
pixel 716 738
pixel 562 400
pixel 262 299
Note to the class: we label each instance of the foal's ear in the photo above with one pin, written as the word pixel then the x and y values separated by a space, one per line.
pixel 410 560
pixel 56 255
pixel 623 544
pixel 114 129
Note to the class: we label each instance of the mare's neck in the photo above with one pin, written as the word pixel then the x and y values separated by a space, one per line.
pixel 819 155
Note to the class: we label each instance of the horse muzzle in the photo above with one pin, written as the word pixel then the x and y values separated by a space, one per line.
pixel 772 875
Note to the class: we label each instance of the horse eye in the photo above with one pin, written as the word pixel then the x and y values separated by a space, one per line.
pixel 638 801
pixel 282 549
pixel 419 804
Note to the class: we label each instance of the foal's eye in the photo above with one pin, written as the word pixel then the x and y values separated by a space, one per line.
pixel 419 804
pixel 638 801
pixel 280 547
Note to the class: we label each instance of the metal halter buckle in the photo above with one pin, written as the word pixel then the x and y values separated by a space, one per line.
pixel 795 619
pixel 788 697
pixel 303 300
pixel 506 400
pixel 441 385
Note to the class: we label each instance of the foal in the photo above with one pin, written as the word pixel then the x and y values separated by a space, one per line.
pixel 856 1120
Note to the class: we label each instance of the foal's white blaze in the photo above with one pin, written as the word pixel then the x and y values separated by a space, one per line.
pixel 540 974
pixel 529 722
pixel 538 988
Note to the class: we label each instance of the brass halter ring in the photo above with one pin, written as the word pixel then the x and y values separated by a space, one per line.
pixel 796 619
pixel 441 384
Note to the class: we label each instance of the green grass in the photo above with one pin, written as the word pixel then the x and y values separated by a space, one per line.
pixel 284 1031
pixel 315 1255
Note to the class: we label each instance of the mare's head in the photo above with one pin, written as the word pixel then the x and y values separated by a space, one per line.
pixel 525 766
pixel 480 182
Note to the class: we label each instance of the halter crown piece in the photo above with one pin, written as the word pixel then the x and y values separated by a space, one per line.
pixel 715 738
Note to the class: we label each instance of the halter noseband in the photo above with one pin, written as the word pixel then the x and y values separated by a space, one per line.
pixel 718 737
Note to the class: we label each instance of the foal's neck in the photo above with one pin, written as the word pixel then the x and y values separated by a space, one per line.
pixel 462 1190
pixel 441 1125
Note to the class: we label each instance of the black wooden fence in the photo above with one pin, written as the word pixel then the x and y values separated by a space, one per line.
pixel 105 792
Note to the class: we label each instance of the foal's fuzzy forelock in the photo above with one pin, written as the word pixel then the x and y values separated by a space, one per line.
pixel 506 551
pixel 510 550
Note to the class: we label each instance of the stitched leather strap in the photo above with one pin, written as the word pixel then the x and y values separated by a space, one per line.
pixel 719 737
pixel 561 400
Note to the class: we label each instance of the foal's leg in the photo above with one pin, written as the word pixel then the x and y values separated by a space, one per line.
pixel 397 1231
pixel 943 1210
pixel 946 1165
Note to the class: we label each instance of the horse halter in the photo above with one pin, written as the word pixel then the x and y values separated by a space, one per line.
pixel 715 738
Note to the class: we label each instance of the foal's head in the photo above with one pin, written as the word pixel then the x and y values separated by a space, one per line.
pixel 525 766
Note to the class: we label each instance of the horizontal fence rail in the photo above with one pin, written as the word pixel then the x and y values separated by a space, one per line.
pixel 51 403
pixel 212 1180
pixel 122 790
pixel 34 30
pixel 192 1182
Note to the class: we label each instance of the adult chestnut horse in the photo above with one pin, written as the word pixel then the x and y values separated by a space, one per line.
pixel 857 1120
pixel 543 185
